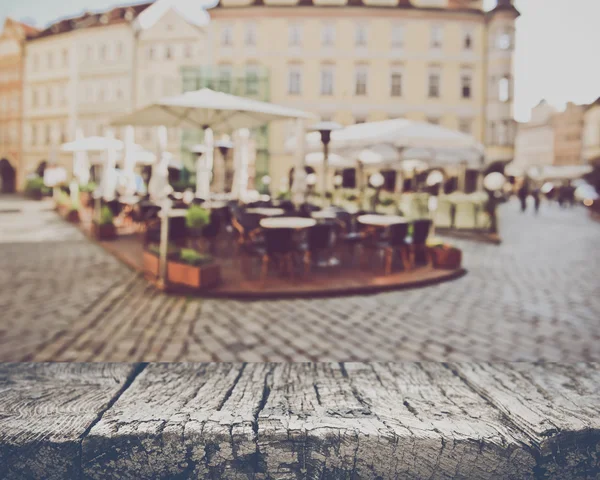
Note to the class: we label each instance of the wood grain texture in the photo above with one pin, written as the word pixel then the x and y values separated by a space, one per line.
pixel 312 421
pixel 46 409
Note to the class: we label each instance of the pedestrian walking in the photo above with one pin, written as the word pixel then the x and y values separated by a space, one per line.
pixel 536 199
pixel 523 194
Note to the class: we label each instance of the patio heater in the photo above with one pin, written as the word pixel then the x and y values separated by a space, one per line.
pixel 338 180
pixel 493 182
pixel 376 180
pixel 266 182
pixel 434 178
pixel 325 129
pixel 226 177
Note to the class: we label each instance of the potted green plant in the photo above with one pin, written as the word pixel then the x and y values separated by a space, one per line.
pixel 85 194
pixel 193 269
pixel 444 255
pixel 151 257
pixel 196 219
pixel 104 228
pixel 35 188
pixel 72 212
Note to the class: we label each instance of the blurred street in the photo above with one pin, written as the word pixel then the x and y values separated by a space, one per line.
pixel 535 297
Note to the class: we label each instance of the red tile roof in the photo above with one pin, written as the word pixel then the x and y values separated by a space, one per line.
pixel 114 16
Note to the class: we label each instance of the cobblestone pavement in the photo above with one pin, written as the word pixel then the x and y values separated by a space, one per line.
pixel 535 297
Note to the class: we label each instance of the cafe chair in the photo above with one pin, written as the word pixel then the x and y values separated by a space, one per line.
pixel 280 247
pixel 418 244
pixel 320 240
pixel 397 242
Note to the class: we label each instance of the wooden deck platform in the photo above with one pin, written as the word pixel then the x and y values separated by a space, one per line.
pixel 300 421
pixel 329 281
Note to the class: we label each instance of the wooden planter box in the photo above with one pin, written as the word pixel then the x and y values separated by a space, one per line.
pixel 205 276
pixel 448 258
pixel 151 263
pixel 104 232
pixel 72 216
pixel 85 199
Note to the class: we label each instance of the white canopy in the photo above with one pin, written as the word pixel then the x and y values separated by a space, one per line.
pixel 92 144
pixel 207 108
pixel 558 172
pixel 400 139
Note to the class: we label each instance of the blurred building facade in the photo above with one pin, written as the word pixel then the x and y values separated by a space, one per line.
pixel 84 71
pixel 591 133
pixel 351 61
pixel 535 144
pixel 442 61
pixel 12 43
pixel 568 135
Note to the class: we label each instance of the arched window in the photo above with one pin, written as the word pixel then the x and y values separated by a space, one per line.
pixel 504 88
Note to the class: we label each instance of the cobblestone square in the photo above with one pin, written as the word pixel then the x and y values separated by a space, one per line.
pixel 535 297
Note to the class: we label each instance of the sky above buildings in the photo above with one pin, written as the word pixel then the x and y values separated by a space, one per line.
pixel 557 43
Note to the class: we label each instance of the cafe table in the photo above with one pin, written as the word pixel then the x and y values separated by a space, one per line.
pixel 323 215
pixel 294 223
pixel 381 220
pixel 266 211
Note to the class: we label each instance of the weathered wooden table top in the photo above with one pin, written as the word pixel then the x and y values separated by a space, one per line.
pixel 297 421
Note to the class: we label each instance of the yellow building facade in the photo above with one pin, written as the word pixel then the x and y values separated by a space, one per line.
pixel 358 61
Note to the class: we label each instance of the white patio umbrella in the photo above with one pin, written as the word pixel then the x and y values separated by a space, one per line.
pixel 129 161
pixel 81 163
pixel 109 175
pixel 159 180
pixel 207 108
pixel 204 166
pixel 92 144
pixel 411 139
pixel 241 161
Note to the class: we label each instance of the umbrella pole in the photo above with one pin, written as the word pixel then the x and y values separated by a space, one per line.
pixel 164 244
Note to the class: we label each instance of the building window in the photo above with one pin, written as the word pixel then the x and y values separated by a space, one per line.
pixel 504 40
pixel 225 78
pixel 492 133
pixel 151 53
pixel 295 80
pixel 468 41
pixel 227 36
pixel 465 125
pixel 50 60
pixel 100 97
pixel 48 139
pixel 89 53
pixel 360 81
pixel 433 120
pixel 434 85
pixel 328 35
pixel 187 50
pixel 503 127
pixel 34 98
pixel 36 63
pixel 168 52
pixel 327 80
pixel 396 84
pixel 436 36
pixel 397 36
pixel 504 89
pixel 34 139
pixel 251 80
pixel 465 82
pixel 295 35
pixel 103 52
pixel 119 49
pixel 250 35
pixel 360 35
pixel 65 58
pixel 149 87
